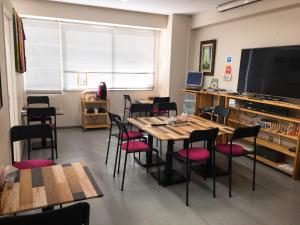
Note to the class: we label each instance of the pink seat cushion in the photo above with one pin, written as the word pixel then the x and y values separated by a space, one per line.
pixel 34 163
pixel 155 110
pixel 195 154
pixel 135 146
pixel 225 149
pixel 132 135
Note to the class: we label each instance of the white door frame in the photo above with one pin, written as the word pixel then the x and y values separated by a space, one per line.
pixel 11 74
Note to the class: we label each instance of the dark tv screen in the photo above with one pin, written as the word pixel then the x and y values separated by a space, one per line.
pixel 271 71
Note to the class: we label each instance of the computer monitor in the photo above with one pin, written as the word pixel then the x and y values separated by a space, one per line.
pixel 194 80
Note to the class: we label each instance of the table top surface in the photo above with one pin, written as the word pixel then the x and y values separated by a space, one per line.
pixel 144 101
pixel 169 132
pixel 59 111
pixel 49 186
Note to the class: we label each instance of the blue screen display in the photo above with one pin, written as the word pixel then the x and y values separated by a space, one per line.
pixel 194 78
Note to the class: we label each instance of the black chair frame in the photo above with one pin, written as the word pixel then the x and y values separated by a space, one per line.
pixel 123 129
pixel 239 133
pixel 127 106
pixel 44 113
pixel 208 136
pixel 77 214
pixel 23 133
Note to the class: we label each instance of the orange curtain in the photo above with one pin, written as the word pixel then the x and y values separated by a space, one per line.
pixel 19 39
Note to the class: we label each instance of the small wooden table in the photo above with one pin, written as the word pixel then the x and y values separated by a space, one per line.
pixel 49 186
pixel 144 101
pixel 170 134
pixel 59 112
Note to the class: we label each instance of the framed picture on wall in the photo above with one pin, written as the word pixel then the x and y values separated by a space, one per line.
pixel 207 57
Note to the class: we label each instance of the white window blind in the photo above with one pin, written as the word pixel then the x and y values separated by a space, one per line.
pixel 43 56
pixel 86 55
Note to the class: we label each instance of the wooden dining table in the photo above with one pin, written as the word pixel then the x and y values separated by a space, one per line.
pixel 157 128
pixel 49 186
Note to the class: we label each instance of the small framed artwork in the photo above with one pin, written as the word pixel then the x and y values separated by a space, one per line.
pixel 207 57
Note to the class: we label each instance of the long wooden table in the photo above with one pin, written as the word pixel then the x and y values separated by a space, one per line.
pixel 170 134
pixel 49 186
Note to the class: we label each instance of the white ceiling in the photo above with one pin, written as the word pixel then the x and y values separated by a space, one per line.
pixel 153 6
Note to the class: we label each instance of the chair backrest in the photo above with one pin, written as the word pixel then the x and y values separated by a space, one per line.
pixel 77 214
pixel 38 100
pixel 157 100
pixel 244 132
pixel 113 117
pixel 167 106
pixel 122 128
pixel 127 101
pixel 222 113
pixel 204 135
pixel 140 108
pixel 42 113
pixel 21 133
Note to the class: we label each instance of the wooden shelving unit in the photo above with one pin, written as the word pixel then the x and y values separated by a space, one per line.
pixel 237 119
pixel 95 119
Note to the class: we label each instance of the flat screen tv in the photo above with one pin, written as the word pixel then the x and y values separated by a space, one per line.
pixel 273 71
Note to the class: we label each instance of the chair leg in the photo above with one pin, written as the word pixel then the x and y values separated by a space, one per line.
pixel 190 171
pixel 107 151
pixel 230 175
pixel 254 170
pixel 116 159
pixel 187 184
pixel 124 170
pixel 120 150
pixel 28 149
pixel 214 173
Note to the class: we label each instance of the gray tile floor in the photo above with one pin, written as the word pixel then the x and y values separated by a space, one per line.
pixel 276 200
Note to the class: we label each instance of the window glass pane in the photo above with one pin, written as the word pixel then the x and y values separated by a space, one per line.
pixel 42 55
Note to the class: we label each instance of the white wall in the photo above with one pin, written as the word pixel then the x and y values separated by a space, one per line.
pixel 89 13
pixel 4 111
pixel 273 28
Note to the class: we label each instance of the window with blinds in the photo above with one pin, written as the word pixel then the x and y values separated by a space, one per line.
pixel 42 56
pixel 85 55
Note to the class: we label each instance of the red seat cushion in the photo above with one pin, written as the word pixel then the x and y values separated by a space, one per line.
pixel 136 146
pixel 132 135
pixel 155 110
pixel 34 163
pixel 195 154
pixel 225 149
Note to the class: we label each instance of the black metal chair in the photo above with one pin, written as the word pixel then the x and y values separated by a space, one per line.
pixel 127 106
pixel 234 150
pixel 139 110
pixel 156 101
pixel 220 114
pixel 77 214
pixel 132 146
pixel 26 133
pixel 197 154
pixel 38 100
pixel 132 134
pixel 167 107
pixel 44 113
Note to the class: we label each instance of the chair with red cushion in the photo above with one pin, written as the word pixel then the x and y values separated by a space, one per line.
pixel 131 146
pixel 127 106
pixel 26 133
pixel 44 113
pixel 132 135
pixel 234 150
pixel 41 101
pixel 197 154
pixel 156 101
